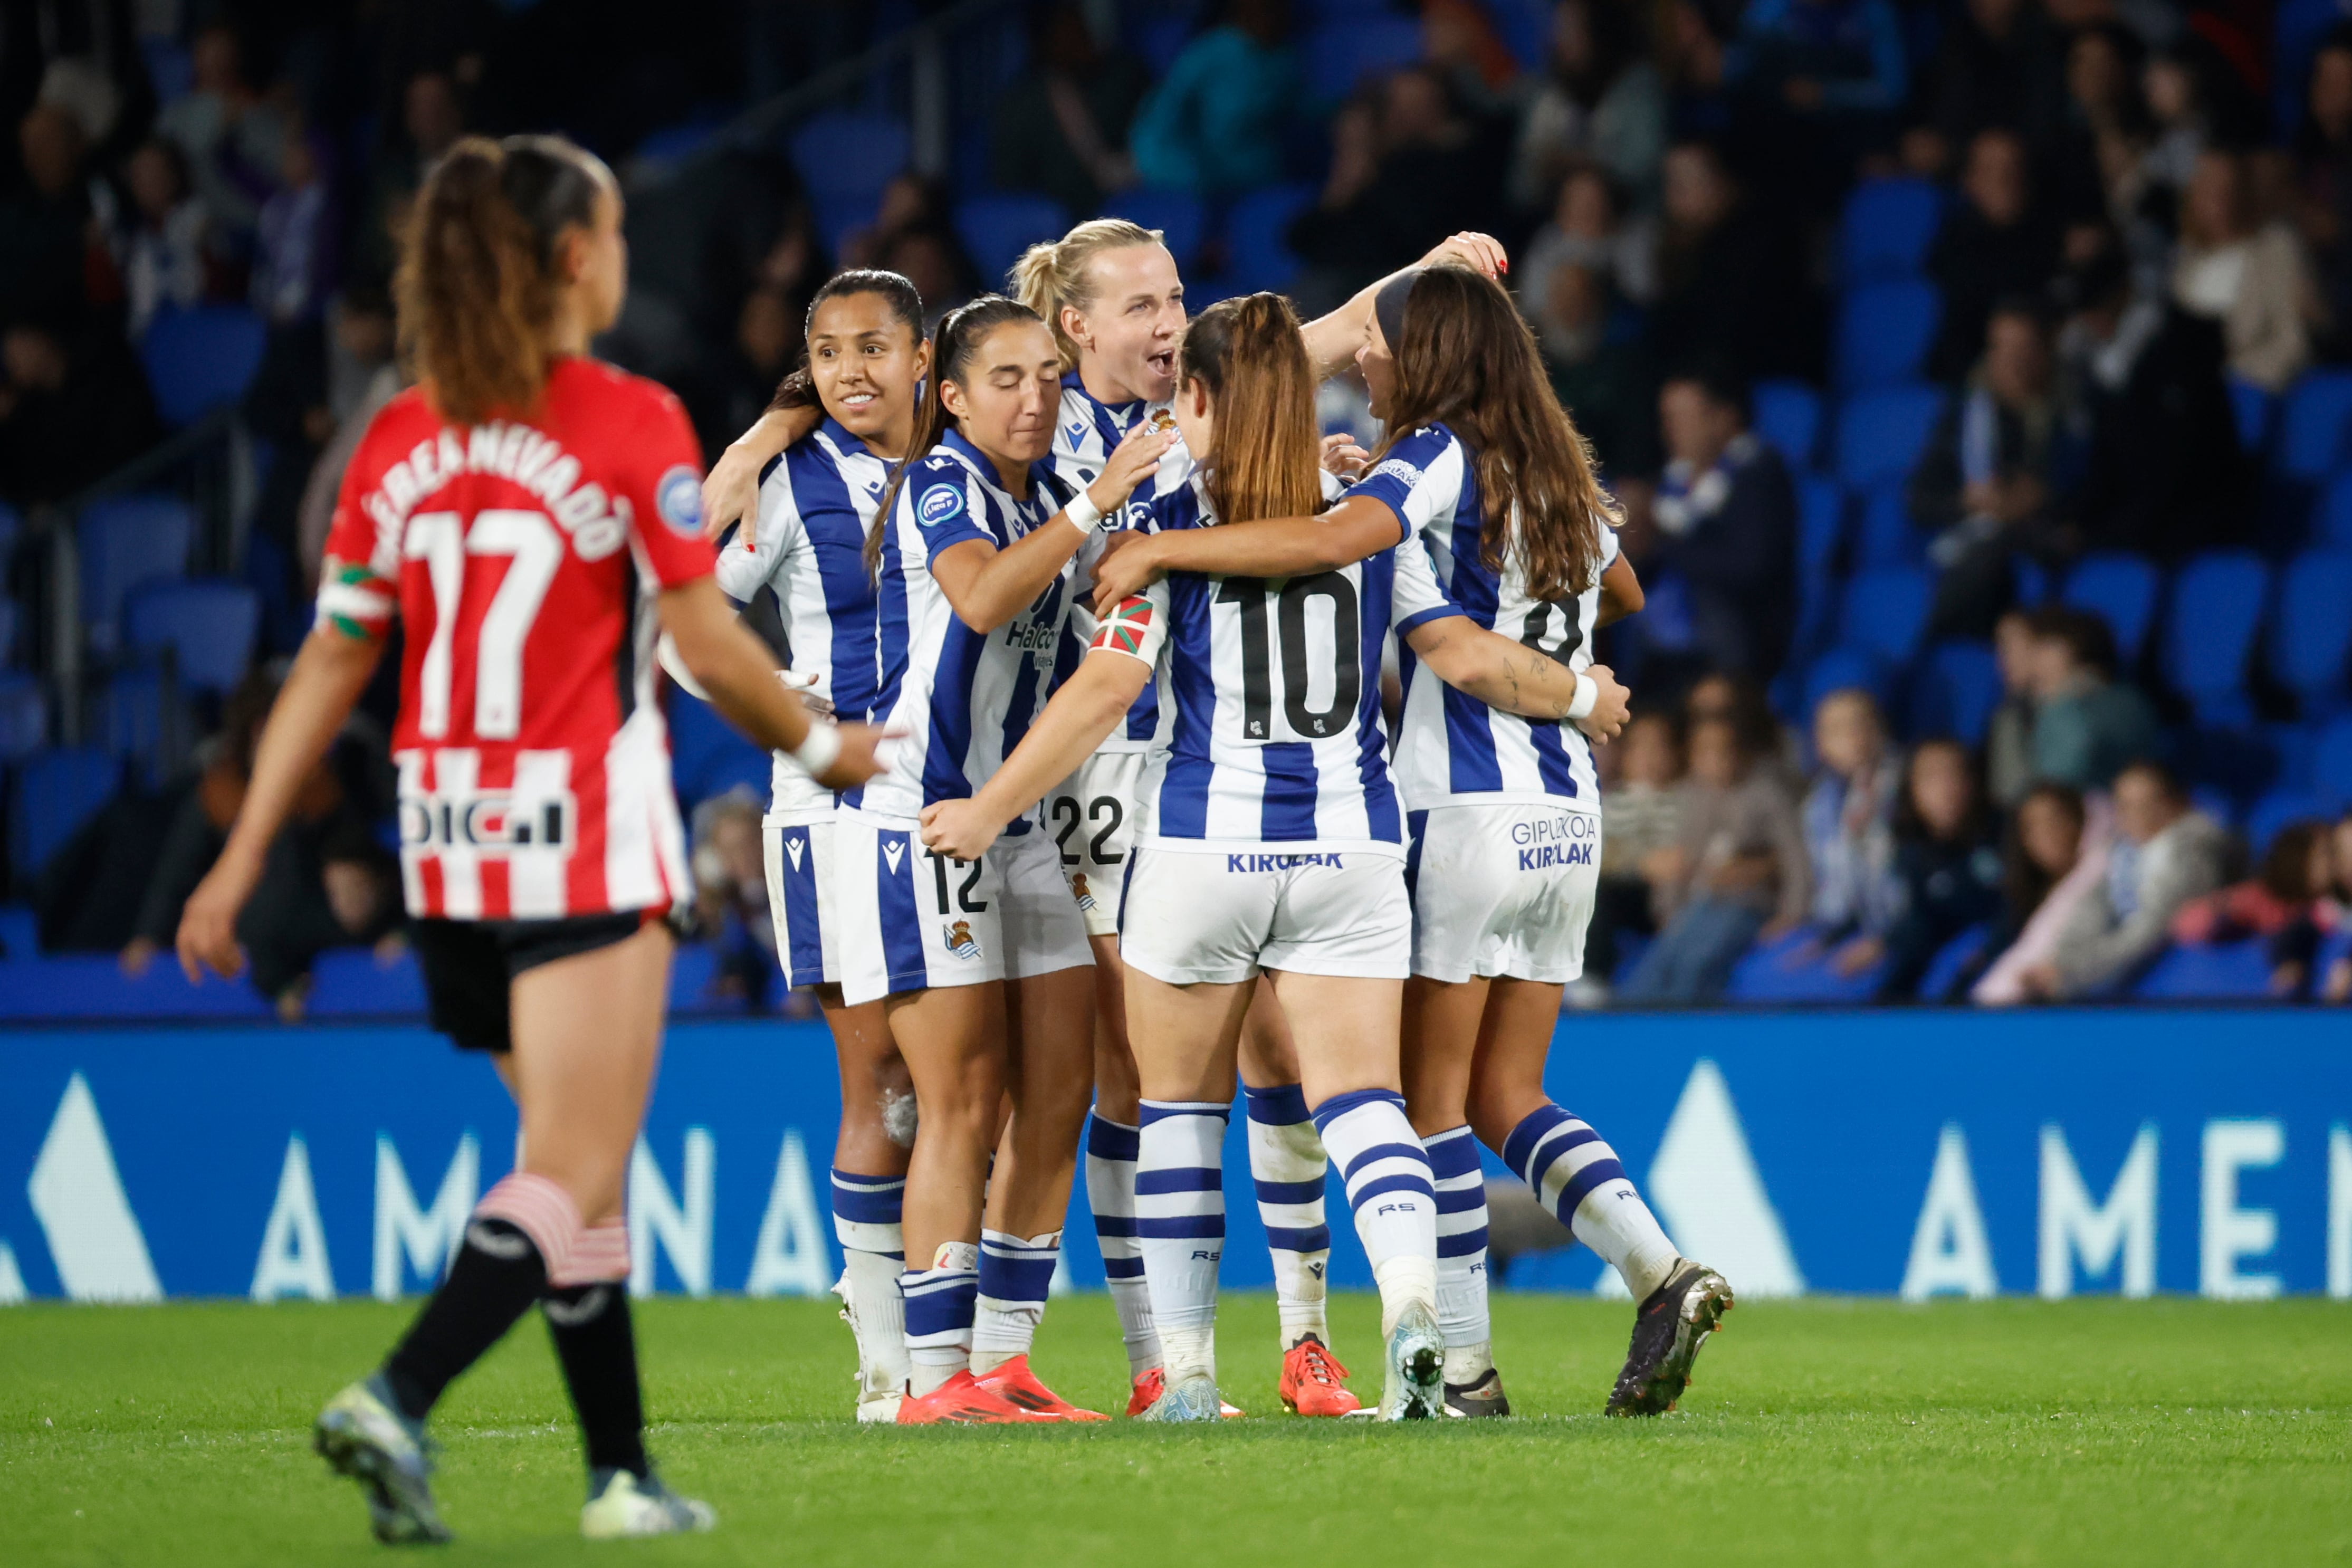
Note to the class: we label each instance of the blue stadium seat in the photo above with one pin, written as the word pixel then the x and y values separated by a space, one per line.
pixel 24 716
pixel 1821 528
pixel 2292 748
pixel 2122 590
pixel 92 986
pixel 1956 691
pixel 20 932
pixel 1340 56
pixel 997 229
pixel 847 154
pixel 1841 668
pixel 2217 606
pixel 1887 229
pixel 56 792
pixel 691 975
pixel 1257 255
pixel 208 624
pixel 1787 414
pixel 1884 611
pixel 2331 764
pixel 2311 635
pixel 839 216
pixel 1880 433
pixel 2278 809
pixel 348 982
pixel 1526 26
pixel 1887 536
pixel 1883 333
pixel 8 630
pixel 1182 221
pixel 201 359
pixel 2193 971
pixel 2313 421
pixel 128 719
pixel 124 542
pixel 1785 971
pixel 708 755
pixel 2255 409
pixel 2032 580
pixel 2331 518
pixel 1951 959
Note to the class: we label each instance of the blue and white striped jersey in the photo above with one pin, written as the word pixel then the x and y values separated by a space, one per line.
pixel 1278 740
pixel 1452 748
pixel 816 504
pixel 1088 432
pixel 963 698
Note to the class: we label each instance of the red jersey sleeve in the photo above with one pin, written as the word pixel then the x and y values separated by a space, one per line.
pixel 665 493
pixel 359 580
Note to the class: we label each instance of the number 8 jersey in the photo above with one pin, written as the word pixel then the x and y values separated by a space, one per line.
pixel 523 559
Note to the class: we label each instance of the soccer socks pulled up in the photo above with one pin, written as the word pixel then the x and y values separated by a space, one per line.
pixel 1390 1187
pixel 1461 1238
pixel 865 1221
pixel 1286 1164
pixel 1180 1226
pixel 1015 1277
pixel 1578 1177
pixel 521 1236
pixel 587 1313
pixel 940 1301
pixel 1111 1148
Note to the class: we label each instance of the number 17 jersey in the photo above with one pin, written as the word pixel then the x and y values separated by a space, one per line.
pixel 523 559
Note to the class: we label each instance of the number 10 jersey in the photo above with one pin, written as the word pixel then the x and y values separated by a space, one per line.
pixel 523 558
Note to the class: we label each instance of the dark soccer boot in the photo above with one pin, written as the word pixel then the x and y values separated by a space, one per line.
pixel 1667 1333
pixel 363 1435
pixel 1482 1398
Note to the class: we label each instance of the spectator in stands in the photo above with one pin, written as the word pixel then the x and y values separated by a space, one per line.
pixel 233 139
pixel 1849 817
pixel 1731 284
pixel 2008 733
pixel 2105 123
pixel 1726 527
pixel 1422 169
pixel 432 116
pixel 73 407
pixel 733 392
pixel 293 257
pixel 47 229
pixel 2336 984
pixel 936 265
pixel 1736 871
pixel 1216 123
pixel 1999 475
pixel 2323 155
pixel 1600 366
pixel 200 821
pixel 2287 904
pixel 165 250
pixel 1601 104
pixel 2163 473
pixel 1995 243
pixel 2087 724
pixel 1823 81
pixel 2255 279
pixel 1061 126
pixel 327 884
pixel 2053 854
pixel 1640 817
pixel 1697 65
pixel 1946 865
pixel 2167 853
pixel 731 895
pixel 1998 65
pixel 2181 132
pixel 1739 696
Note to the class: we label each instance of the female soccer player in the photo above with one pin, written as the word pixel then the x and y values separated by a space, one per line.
pixel 1274 845
pixel 532 516
pixel 1485 469
pixel 982 961
pixel 866 359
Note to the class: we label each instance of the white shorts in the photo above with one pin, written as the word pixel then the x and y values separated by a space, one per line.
pixel 911 920
pixel 801 874
pixel 1091 815
pixel 1502 889
pixel 1219 917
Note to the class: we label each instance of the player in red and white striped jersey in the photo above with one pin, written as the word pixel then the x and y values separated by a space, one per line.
pixel 532 519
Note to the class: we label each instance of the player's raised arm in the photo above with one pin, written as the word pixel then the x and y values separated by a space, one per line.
pixel 1333 339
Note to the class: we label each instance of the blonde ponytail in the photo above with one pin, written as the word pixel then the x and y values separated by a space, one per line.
pixel 1053 274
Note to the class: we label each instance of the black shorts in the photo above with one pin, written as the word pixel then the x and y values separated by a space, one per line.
pixel 470 966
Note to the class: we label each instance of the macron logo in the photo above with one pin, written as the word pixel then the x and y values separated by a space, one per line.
pixel 792 847
pixel 891 852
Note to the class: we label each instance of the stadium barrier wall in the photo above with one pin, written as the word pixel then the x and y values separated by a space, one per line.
pixel 1919 1153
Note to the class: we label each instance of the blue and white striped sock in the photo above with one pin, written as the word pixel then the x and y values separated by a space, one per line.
pixel 1180 1225
pixel 1461 1237
pixel 1015 1277
pixel 1111 1148
pixel 1389 1188
pixel 941 1300
pixel 1578 1177
pixel 866 1212
pixel 1286 1164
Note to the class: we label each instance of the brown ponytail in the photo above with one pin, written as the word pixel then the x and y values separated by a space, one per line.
pixel 953 342
pixel 478 282
pixel 1267 460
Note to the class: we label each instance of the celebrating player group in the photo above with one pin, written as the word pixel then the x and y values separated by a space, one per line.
pixel 1085 804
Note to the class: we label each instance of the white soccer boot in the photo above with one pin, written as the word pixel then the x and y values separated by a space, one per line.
pixel 881 1382
pixel 621 1507
pixel 1415 1390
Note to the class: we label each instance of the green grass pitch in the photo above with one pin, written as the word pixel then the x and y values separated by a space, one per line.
pixel 1818 1431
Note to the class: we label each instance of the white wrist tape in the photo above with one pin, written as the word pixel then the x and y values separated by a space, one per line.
pixel 1587 693
pixel 1083 511
pixel 819 748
